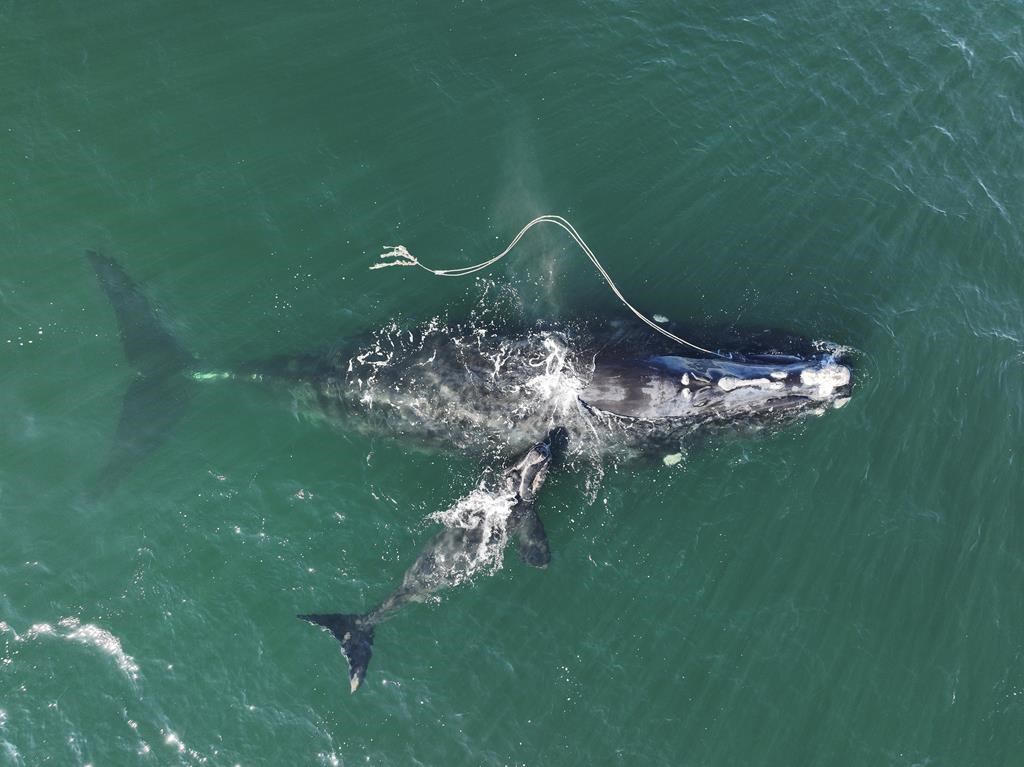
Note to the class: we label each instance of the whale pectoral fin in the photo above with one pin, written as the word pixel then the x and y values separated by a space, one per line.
pixel 534 549
pixel 525 478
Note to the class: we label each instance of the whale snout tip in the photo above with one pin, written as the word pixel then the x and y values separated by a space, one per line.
pixel 829 379
pixel 557 439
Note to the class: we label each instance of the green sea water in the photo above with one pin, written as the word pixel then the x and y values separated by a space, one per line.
pixel 846 592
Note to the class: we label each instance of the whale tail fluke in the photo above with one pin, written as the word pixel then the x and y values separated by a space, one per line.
pixel 157 398
pixel 356 636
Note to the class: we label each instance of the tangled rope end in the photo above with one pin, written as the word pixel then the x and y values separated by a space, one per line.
pixel 398 255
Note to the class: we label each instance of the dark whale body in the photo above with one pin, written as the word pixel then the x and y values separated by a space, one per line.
pixel 602 389
pixel 469 387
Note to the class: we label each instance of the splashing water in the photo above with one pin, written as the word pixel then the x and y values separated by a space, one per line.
pixel 484 513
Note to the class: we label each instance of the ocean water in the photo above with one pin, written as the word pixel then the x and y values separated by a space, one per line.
pixel 844 592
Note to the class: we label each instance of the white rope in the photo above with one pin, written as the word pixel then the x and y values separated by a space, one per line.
pixel 398 255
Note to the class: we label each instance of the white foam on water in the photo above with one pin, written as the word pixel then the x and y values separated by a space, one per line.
pixel 212 376
pixel 94 636
pixel 174 741
pixel 558 386
pixel 486 512
pixel 5 628
pixel 87 634
pixel 13 755
pixel 36 630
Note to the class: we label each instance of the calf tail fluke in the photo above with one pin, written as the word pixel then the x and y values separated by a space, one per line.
pixel 356 636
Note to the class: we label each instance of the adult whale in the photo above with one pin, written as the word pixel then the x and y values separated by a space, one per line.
pixel 482 388
pixel 489 390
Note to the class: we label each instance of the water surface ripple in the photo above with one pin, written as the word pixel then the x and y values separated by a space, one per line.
pixel 846 592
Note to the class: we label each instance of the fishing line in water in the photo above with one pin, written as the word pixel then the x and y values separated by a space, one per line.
pixel 398 255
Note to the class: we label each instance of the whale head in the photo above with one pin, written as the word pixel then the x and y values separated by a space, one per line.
pixel 735 387
pixel 525 477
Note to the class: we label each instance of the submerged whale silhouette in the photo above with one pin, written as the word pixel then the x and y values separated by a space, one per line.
pixel 487 391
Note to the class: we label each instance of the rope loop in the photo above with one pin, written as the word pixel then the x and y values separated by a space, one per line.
pixel 399 255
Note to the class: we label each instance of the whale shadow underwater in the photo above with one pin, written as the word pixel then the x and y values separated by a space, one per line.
pixel 526 397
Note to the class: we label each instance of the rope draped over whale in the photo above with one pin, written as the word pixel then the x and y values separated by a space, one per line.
pixel 399 255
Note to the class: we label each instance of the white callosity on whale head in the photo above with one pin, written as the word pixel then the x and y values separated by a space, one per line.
pixel 825 380
pixel 728 383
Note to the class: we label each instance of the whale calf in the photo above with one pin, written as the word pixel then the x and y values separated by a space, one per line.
pixel 459 551
pixel 517 395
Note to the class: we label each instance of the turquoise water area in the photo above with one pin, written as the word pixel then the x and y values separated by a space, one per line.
pixel 845 592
